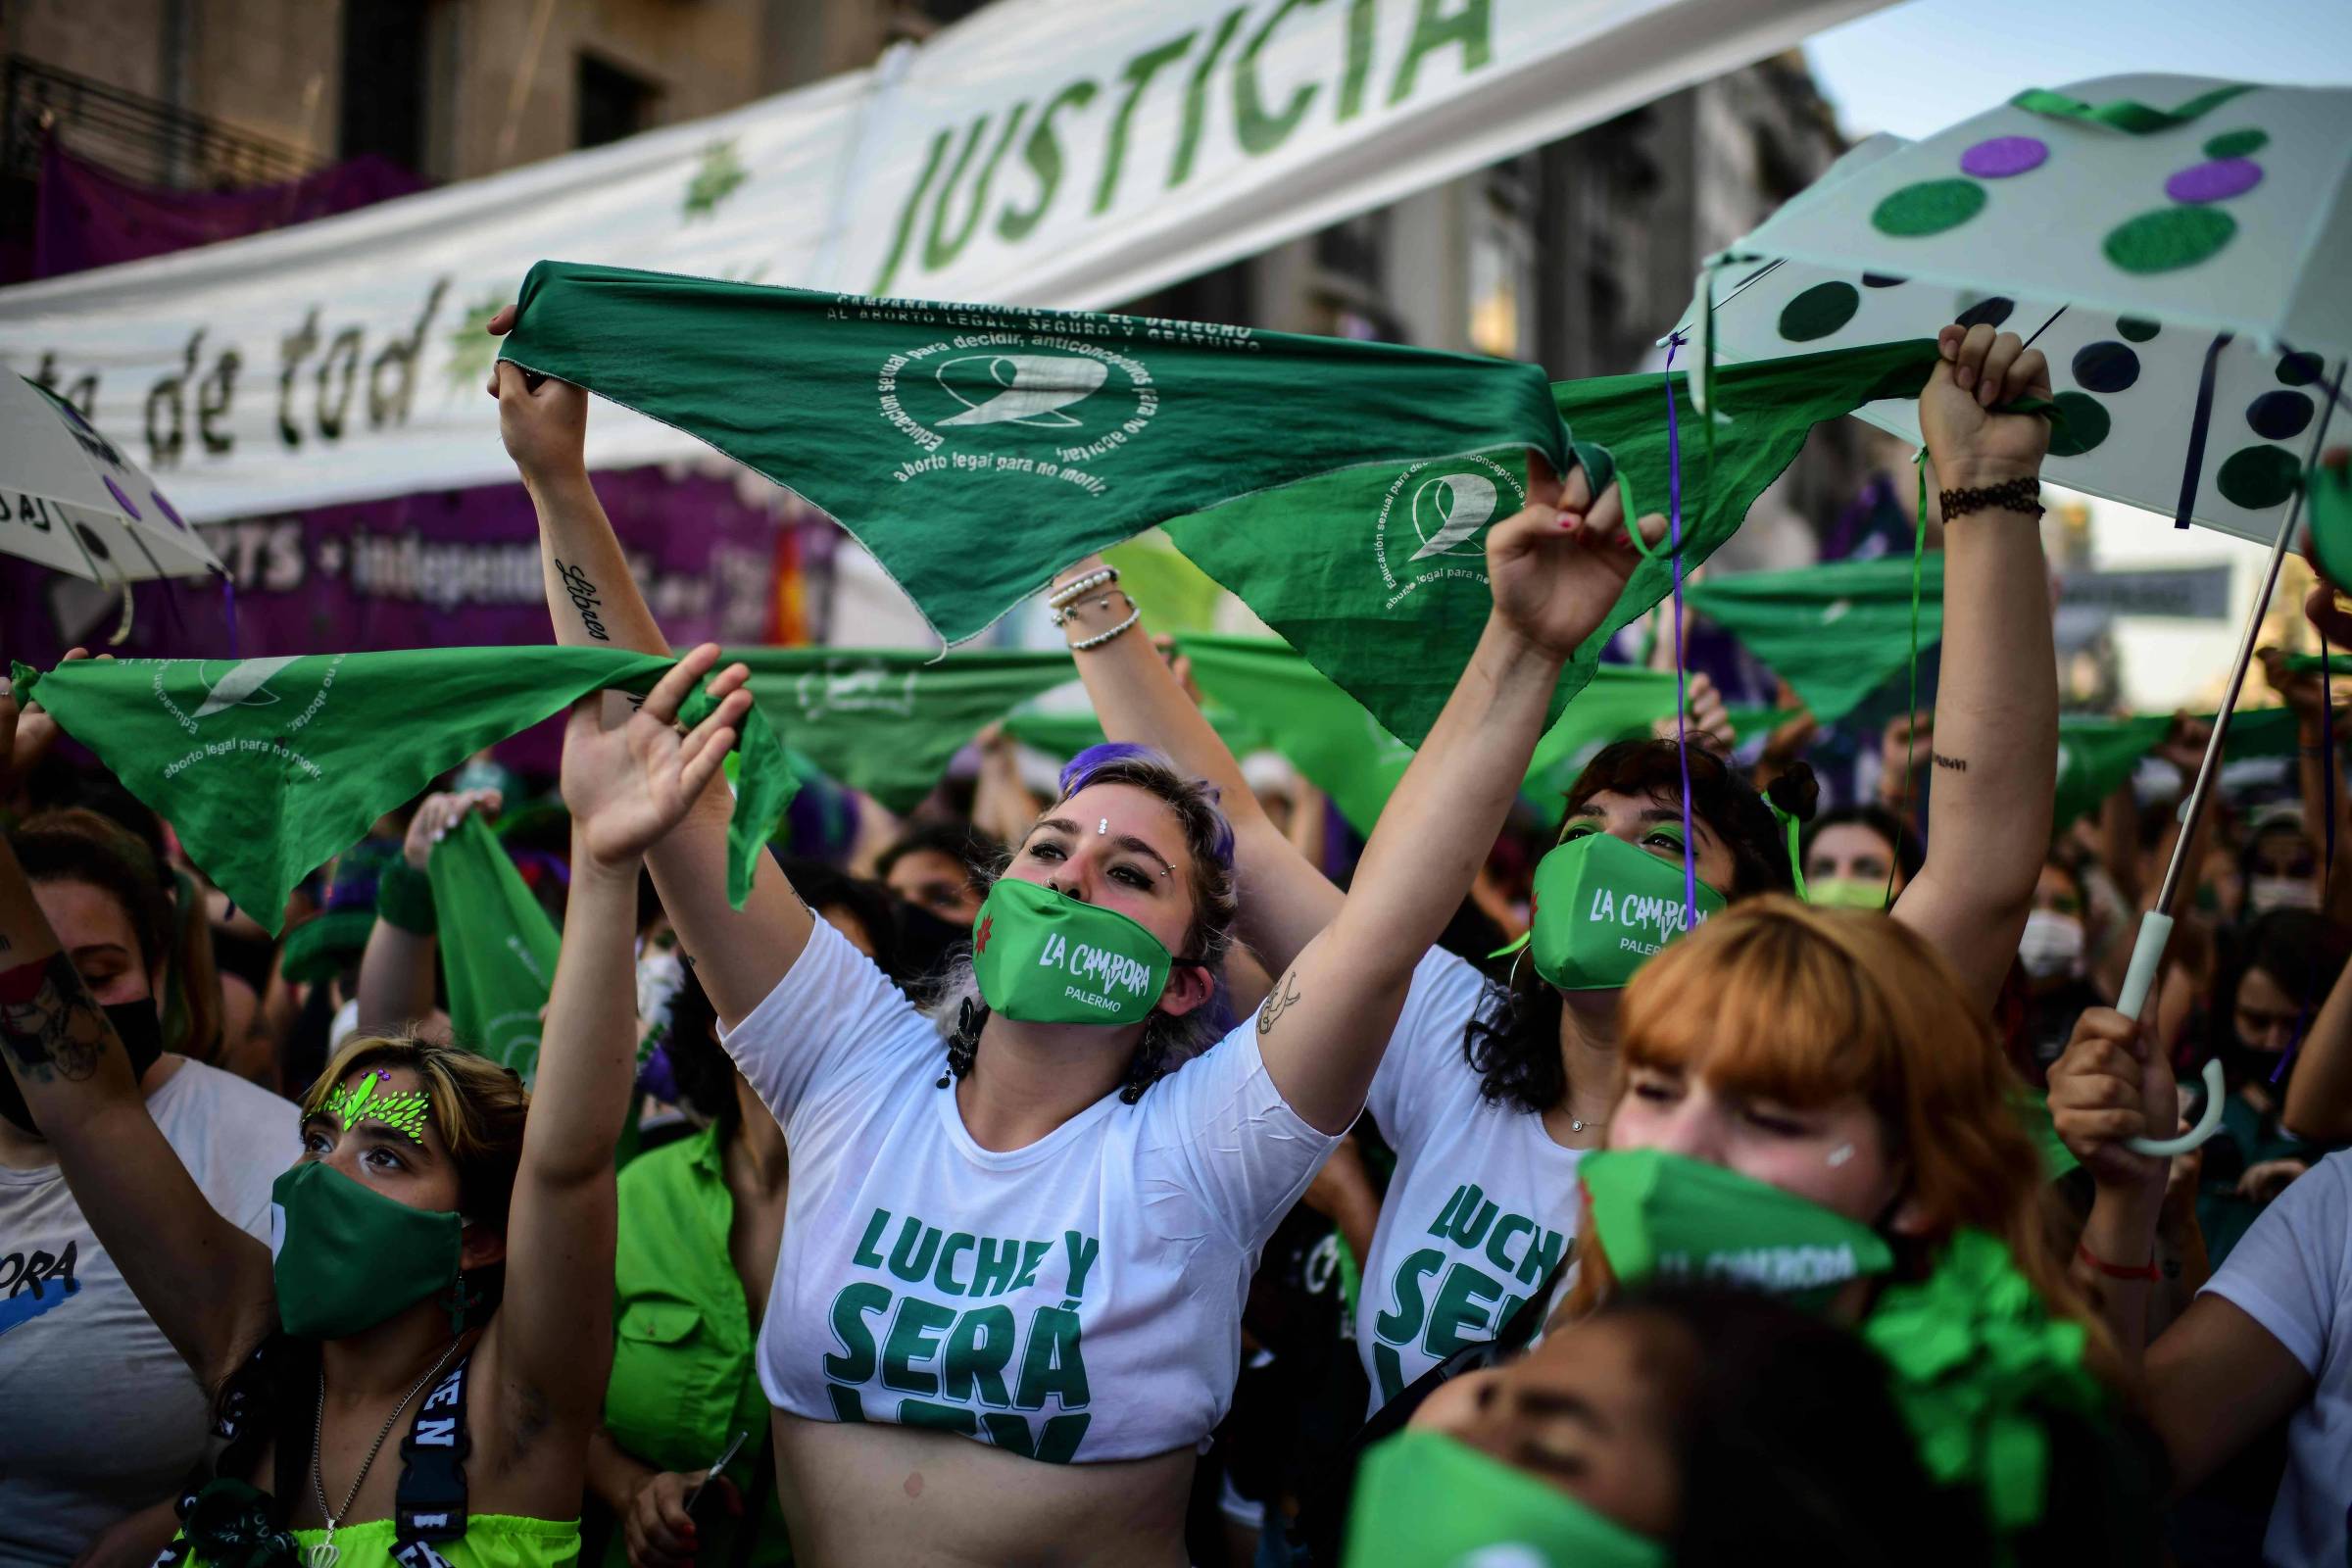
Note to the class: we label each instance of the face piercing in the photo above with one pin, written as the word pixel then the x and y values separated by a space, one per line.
pixel 1840 1154
pixel 1103 826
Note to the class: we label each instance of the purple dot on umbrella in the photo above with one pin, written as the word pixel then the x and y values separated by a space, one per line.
pixel 2215 182
pixel 1999 156
pixel 120 498
pixel 164 507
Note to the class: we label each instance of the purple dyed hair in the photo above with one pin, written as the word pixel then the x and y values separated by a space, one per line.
pixel 1080 771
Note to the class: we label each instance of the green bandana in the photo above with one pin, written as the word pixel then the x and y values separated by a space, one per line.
pixel 498 948
pixel 887 721
pixel 2096 757
pixel 1042 957
pixel 1377 575
pixel 346 1257
pixel 2328 492
pixel 266 767
pixel 1603 908
pixel 1975 1352
pixel 1425 1500
pixel 978 449
pixel 1661 1215
pixel 1836 632
pixel 402 1112
pixel 1847 892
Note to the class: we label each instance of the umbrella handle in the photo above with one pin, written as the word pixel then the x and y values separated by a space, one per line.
pixel 2147 954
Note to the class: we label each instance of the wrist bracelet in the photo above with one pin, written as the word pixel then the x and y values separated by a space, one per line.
pixel 2116 1271
pixel 2011 495
pixel 404 899
pixel 1069 593
pixel 1061 616
pixel 1100 638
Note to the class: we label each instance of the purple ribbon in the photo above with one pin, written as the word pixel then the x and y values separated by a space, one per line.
pixel 1681 733
pixel 229 607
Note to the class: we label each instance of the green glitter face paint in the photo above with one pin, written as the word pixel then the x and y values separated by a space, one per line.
pixel 402 1112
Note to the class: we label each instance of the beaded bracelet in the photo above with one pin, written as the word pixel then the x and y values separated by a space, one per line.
pixel 1077 587
pixel 1100 638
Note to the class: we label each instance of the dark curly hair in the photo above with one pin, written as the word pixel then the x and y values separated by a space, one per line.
pixel 1512 1042
pixel 1168 1042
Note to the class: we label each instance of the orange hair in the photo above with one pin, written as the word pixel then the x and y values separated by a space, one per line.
pixel 1808 1006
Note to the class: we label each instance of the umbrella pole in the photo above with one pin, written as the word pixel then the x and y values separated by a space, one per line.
pixel 2156 926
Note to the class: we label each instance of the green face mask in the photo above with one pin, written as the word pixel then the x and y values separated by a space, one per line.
pixel 1042 957
pixel 1424 1500
pixel 1662 1216
pixel 346 1259
pixel 1603 908
pixel 1847 892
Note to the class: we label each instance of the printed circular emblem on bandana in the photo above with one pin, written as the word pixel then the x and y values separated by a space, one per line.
pixel 1434 520
pixel 854 685
pixel 233 707
pixel 1002 399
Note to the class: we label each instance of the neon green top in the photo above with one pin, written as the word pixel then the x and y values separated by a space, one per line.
pixel 492 1541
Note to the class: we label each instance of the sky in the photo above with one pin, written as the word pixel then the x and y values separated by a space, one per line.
pixel 1916 67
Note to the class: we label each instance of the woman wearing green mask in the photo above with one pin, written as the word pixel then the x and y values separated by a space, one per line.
pixel 1695 1426
pixel 439 1268
pixel 1031 1240
pixel 1492 1095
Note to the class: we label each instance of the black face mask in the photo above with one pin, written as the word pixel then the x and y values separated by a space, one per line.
pixel 135 1023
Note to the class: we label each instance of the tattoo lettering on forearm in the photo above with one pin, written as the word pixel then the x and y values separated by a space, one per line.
pixel 1958 764
pixel 584 599
pixel 48 1024
pixel 1278 1004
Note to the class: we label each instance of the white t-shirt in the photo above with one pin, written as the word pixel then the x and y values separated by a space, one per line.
pixel 2292 1273
pixel 106 1418
pixel 1483 1202
pixel 1078 1300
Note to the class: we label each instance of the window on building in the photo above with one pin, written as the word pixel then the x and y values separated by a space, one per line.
pixel 612 103
pixel 383 80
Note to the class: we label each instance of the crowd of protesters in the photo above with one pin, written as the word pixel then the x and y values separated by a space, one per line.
pixel 1105 1178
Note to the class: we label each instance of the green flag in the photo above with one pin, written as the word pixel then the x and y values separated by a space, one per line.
pixel 1325 733
pixel 888 720
pixel 978 449
pixel 267 768
pixel 1062 733
pixel 498 947
pixel 1837 631
pixel 1378 574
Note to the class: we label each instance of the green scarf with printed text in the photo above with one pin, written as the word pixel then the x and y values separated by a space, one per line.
pixel 269 767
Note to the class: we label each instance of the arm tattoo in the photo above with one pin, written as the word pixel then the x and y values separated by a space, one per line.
pixel 1278 1004
pixel 48 1024
pixel 584 599
pixel 1958 765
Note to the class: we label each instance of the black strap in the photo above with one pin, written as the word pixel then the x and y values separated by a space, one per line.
pixel 430 1503
pixel 2193 463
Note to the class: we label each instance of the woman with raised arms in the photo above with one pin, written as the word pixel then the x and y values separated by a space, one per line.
pixel 1007 1305
pixel 1491 1096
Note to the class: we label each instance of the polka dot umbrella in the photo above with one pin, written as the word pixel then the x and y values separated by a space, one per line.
pixel 2181 266
pixel 71 500
pixel 2175 246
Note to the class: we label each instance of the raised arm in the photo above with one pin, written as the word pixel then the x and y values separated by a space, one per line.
pixel 624 787
pixel 1995 746
pixel 396 971
pixel 1556 571
pixel 739 955
pixel 1284 900
pixel 205 1282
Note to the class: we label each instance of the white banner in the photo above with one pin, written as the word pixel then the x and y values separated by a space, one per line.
pixel 1073 153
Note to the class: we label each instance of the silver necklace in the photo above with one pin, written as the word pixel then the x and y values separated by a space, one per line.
pixel 325 1553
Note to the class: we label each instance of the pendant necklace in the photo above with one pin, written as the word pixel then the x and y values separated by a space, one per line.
pixel 325 1553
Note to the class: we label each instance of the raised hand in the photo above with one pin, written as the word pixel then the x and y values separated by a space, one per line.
pixel 437 814
pixel 542 422
pixel 1558 567
pixel 1970 444
pixel 629 785
pixel 2113 1084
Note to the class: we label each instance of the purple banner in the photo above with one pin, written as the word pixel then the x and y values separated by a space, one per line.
pixel 88 215
pixel 450 569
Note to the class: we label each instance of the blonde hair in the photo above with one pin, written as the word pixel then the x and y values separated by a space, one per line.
pixel 1808 1006
pixel 476 1106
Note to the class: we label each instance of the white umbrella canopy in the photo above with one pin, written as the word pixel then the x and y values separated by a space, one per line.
pixel 71 500
pixel 2124 254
